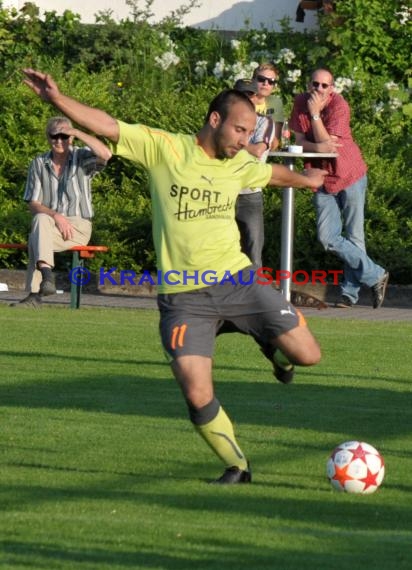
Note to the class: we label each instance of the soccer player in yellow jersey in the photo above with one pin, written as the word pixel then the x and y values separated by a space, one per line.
pixel 208 281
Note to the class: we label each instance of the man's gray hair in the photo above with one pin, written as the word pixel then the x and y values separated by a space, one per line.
pixel 54 122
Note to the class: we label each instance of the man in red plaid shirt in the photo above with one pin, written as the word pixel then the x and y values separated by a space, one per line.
pixel 321 123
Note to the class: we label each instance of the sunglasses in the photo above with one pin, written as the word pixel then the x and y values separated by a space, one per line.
pixel 317 84
pixel 61 136
pixel 263 79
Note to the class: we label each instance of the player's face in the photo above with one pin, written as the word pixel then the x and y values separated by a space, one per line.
pixel 233 134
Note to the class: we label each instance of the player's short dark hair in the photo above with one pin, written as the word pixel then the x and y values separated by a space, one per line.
pixel 224 100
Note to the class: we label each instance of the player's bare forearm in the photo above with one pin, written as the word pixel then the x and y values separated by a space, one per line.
pixel 284 178
pixel 95 120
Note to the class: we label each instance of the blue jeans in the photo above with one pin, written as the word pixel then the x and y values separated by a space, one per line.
pixel 249 218
pixel 345 210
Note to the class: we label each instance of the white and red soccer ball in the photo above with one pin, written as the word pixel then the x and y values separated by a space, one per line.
pixel 355 467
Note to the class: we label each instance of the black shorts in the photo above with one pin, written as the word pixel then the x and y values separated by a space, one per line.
pixel 189 322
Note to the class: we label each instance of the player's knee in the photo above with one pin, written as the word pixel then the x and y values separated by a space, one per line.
pixel 310 357
pixel 305 353
pixel 193 374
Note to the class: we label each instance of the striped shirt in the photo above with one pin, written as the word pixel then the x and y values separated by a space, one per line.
pixel 264 132
pixel 70 193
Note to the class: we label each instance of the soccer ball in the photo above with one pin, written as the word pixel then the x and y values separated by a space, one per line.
pixel 355 467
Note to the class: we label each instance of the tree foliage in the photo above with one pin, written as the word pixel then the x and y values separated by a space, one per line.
pixel 165 74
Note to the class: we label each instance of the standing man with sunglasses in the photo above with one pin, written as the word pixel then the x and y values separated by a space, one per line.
pixel 267 78
pixel 249 203
pixel 321 122
pixel 269 109
pixel 58 193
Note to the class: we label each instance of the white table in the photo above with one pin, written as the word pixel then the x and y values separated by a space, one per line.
pixel 288 203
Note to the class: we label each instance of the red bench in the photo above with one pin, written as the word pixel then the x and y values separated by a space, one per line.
pixel 80 253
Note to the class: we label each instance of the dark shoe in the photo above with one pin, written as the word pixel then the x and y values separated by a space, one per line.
pixel 233 476
pixel 32 301
pixel 344 303
pixel 47 287
pixel 284 375
pixel 379 290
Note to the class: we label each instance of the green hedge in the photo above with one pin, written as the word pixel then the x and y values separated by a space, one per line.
pixel 165 75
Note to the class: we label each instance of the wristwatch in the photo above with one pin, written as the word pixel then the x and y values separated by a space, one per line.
pixel 315 117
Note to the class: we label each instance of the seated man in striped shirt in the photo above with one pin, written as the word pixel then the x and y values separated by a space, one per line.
pixel 58 193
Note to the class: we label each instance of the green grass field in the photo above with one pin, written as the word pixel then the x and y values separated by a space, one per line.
pixel 100 467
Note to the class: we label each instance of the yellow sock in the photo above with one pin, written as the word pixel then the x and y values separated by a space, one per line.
pixel 219 435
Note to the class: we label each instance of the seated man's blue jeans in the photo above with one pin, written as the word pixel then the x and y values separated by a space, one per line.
pixel 345 211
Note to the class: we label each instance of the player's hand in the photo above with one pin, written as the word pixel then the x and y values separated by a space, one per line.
pixel 315 177
pixel 42 84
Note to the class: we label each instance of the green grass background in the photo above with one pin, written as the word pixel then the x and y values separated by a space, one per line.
pixel 100 467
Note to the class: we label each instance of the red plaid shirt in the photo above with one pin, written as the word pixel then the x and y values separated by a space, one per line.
pixel 349 166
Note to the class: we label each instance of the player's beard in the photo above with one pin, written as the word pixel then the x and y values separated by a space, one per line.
pixel 223 150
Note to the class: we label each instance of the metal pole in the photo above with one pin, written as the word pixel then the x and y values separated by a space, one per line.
pixel 288 214
pixel 286 253
pixel 75 287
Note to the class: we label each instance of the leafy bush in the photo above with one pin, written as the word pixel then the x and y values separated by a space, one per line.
pixel 165 75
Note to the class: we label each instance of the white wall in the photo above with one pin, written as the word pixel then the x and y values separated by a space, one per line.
pixel 220 14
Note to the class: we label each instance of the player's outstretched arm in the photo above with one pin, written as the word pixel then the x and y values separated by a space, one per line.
pixel 93 119
pixel 283 177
